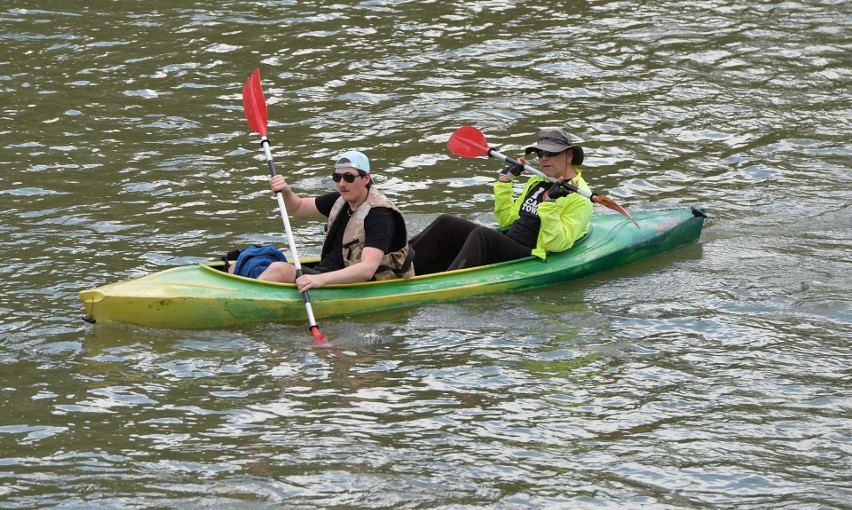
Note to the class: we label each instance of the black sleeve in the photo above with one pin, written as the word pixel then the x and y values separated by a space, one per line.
pixel 379 226
pixel 325 202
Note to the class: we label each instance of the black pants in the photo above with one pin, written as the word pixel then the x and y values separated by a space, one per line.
pixel 453 243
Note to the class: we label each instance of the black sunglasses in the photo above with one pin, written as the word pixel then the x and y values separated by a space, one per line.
pixel 350 178
pixel 549 154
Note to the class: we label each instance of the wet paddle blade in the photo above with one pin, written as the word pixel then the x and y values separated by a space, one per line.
pixel 319 337
pixel 254 104
pixel 468 142
pixel 611 204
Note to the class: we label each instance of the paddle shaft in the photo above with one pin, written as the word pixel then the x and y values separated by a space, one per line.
pixel 513 161
pixel 282 208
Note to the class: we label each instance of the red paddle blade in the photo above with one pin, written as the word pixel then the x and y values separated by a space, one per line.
pixel 611 204
pixel 319 337
pixel 254 104
pixel 468 142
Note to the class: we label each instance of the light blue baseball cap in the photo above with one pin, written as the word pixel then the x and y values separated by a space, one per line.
pixel 353 159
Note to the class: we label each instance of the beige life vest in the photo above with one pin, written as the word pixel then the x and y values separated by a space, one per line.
pixel 396 264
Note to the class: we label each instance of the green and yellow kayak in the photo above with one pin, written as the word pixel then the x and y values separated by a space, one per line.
pixel 203 296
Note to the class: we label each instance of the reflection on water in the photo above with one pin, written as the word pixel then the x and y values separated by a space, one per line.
pixel 711 376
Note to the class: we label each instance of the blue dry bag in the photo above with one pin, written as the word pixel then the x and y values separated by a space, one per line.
pixel 255 259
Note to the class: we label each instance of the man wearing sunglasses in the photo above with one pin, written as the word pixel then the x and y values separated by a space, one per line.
pixel 366 237
pixel 544 218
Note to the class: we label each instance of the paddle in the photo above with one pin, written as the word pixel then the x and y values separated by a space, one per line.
pixel 255 108
pixel 469 142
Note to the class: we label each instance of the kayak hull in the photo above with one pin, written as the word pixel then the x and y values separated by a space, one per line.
pixel 203 296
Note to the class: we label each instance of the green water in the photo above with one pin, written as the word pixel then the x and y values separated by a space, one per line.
pixel 712 377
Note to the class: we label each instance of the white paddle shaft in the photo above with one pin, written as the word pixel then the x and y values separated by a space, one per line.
pixel 282 208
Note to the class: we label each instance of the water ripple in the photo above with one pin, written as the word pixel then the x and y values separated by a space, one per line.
pixel 710 376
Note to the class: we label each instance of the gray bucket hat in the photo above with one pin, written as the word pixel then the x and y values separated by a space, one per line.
pixel 556 140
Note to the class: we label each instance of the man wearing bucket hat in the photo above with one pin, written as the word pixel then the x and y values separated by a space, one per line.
pixel 366 237
pixel 544 218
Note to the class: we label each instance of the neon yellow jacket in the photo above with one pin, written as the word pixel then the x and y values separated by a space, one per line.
pixel 563 220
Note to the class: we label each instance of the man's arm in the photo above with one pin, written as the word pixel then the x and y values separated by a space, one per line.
pixel 296 205
pixel 360 272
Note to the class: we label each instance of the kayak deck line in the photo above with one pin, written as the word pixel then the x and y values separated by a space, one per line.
pixel 204 296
